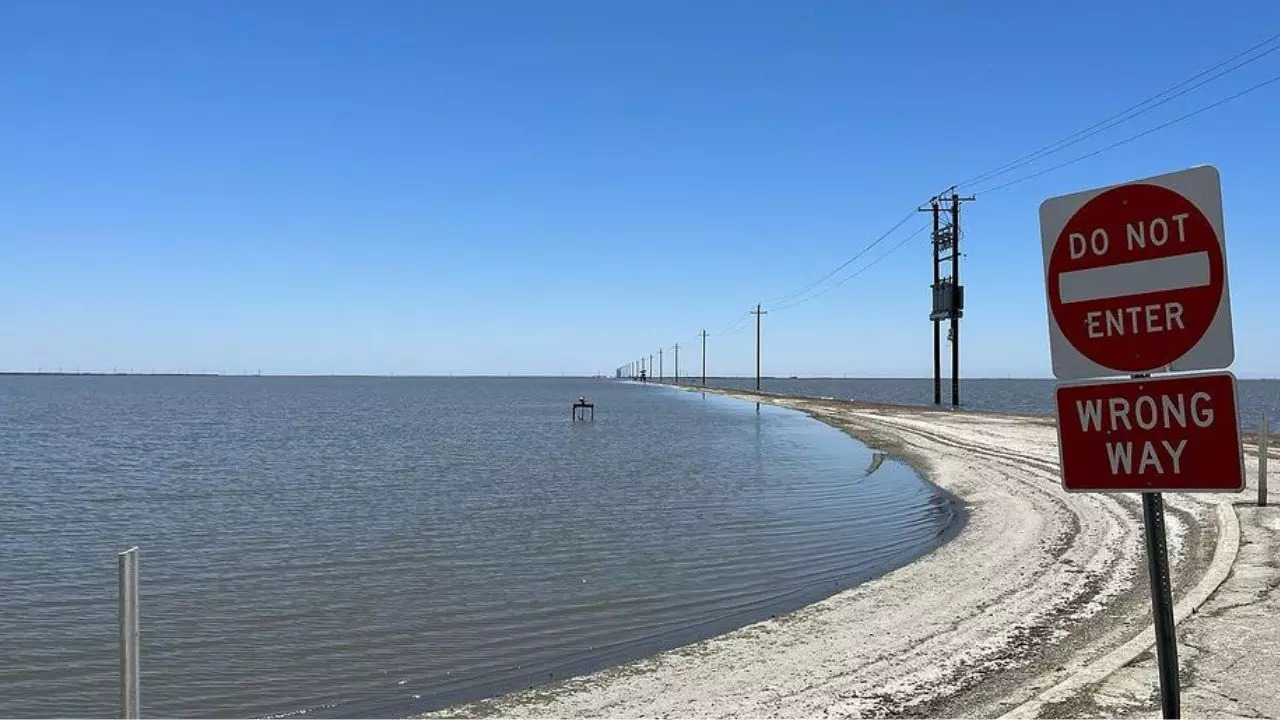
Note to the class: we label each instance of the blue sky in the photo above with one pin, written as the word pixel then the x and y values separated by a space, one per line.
pixel 550 187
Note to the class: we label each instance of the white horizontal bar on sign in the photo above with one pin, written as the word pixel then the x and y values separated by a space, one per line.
pixel 1134 278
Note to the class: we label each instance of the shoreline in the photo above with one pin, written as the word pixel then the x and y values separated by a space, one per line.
pixel 1035 587
pixel 474 696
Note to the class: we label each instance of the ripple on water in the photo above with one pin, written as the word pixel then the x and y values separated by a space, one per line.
pixel 349 543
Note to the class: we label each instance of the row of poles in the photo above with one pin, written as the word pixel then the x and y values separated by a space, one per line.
pixel 638 370
pixel 948 304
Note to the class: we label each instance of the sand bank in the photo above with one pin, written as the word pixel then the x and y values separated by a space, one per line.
pixel 1036 609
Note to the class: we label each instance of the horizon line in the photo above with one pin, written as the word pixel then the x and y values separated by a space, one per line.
pixel 594 376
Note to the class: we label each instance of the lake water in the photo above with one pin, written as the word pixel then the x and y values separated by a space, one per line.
pixel 998 395
pixel 373 546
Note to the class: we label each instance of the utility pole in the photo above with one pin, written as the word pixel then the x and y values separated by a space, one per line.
pixel 758 312
pixel 661 373
pixel 957 295
pixel 677 363
pixel 650 363
pixel 933 315
pixel 703 334
pixel 948 293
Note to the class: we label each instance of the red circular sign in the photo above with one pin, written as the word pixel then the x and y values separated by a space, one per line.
pixel 1135 278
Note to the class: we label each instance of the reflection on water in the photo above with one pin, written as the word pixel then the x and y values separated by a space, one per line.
pixel 877 459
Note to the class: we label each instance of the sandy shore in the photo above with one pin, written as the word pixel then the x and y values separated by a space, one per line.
pixel 1039 607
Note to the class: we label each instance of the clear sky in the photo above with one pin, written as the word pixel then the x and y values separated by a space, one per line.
pixel 546 187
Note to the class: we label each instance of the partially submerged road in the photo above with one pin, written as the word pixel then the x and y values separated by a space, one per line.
pixel 1036 609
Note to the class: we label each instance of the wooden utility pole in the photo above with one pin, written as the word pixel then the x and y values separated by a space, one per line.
pixel 948 294
pixel 661 372
pixel 933 315
pixel 957 296
pixel 758 312
pixel 703 334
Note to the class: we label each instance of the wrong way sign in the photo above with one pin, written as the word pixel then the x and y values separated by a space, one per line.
pixel 1136 281
pixel 1175 433
pixel 1136 277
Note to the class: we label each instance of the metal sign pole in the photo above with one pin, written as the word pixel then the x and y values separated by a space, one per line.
pixel 129 685
pixel 1162 604
pixel 1264 442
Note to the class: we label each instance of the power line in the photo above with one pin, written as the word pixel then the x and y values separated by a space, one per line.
pixel 736 325
pixel 860 270
pixel 1146 105
pixel 1131 138
pixel 846 263
pixel 1130 112
pixel 803 295
pixel 860 253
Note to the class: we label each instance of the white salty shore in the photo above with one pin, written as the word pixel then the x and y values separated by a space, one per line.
pixel 1036 609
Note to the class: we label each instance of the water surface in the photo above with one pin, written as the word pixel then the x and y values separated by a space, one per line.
pixel 381 545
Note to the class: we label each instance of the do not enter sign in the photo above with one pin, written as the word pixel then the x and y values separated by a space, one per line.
pixel 1136 277
pixel 1136 281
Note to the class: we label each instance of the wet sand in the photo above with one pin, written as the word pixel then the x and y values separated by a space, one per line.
pixel 1038 608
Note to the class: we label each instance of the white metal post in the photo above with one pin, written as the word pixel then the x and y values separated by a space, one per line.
pixel 129 687
pixel 1264 441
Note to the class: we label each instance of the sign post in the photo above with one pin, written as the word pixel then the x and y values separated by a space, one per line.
pixel 129 687
pixel 1162 604
pixel 1264 441
pixel 1136 282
